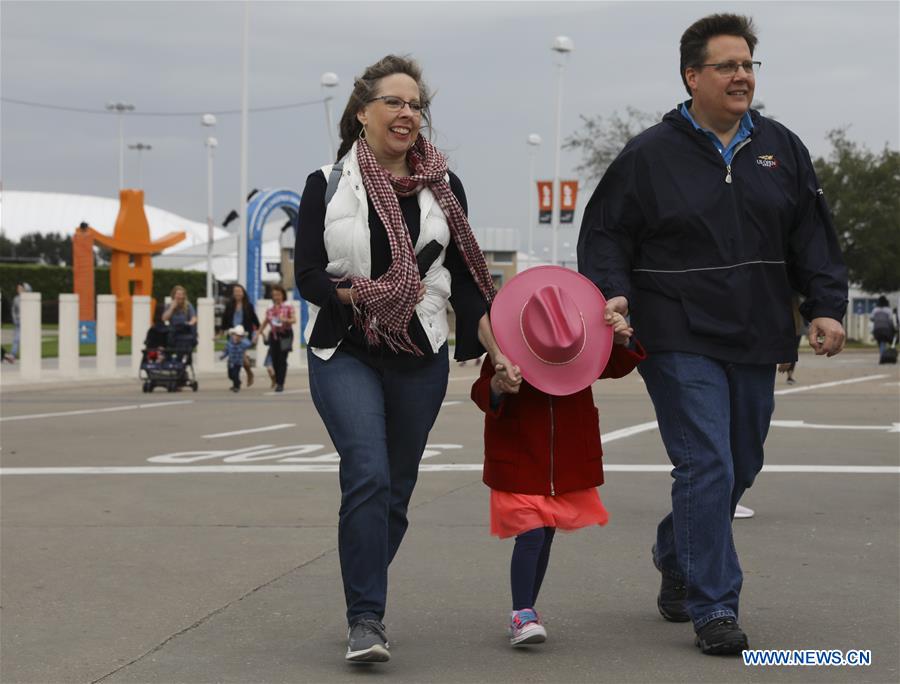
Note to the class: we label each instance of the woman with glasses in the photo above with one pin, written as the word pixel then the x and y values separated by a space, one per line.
pixel 383 243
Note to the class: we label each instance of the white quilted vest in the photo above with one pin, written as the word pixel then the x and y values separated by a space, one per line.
pixel 349 254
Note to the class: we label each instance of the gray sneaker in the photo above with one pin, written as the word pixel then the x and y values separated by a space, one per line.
pixel 367 642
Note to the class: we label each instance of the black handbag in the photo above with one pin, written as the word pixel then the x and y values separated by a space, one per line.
pixel 286 343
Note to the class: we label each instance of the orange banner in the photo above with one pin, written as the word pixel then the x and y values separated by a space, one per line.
pixel 545 201
pixel 568 196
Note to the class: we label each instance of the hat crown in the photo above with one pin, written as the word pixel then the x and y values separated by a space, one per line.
pixel 552 325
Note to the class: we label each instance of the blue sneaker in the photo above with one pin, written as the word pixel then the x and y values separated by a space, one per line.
pixel 525 628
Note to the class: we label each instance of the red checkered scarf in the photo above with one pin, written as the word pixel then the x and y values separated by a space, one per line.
pixel 389 301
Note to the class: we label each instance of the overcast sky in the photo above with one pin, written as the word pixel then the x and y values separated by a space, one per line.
pixel 825 65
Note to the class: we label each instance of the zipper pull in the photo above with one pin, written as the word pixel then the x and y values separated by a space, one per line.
pixel 728 175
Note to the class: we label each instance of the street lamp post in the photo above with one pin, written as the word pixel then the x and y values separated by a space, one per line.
pixel 211 143
pixel 534 141
pixel 120 108
pixel 242 230
pixel 329 80
pixel 140 147
pixel 562 45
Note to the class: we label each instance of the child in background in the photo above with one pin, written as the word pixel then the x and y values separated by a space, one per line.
pixel 237 344
pixel 541 434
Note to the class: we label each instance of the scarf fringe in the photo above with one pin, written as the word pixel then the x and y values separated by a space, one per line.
pixel 397 342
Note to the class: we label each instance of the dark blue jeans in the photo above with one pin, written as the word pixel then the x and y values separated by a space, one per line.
pixel 234 374
pixel 379 422
pixel 713 417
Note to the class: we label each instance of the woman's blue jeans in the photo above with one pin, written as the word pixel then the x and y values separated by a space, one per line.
pixel 713 417
pixel 379 421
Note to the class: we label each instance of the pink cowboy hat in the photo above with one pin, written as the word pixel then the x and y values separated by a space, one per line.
pixel 548 321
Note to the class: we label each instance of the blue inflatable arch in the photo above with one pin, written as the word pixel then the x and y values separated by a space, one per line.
pixel 259 209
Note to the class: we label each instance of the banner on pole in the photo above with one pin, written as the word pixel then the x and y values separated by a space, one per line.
pixel 545 201
pixel 568 194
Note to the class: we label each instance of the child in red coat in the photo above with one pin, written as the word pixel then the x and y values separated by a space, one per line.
pixel 542 435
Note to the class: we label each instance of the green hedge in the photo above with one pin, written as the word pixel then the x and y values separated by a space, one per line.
pixel 51 281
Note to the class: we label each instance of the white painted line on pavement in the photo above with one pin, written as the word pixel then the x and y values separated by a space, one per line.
pixel 794 390
pixel 130 407
pixel 297 391
pixel 425 468
pixel 627 432
pixel 267 428
pixel 450 403
pixel 816 426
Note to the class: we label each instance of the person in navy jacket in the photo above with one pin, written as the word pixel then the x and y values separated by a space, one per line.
pixel 701 229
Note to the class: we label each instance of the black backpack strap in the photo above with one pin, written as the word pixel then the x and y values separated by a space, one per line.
pixel 333 179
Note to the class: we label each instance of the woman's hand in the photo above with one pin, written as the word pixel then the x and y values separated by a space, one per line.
pixel 421 293
pixel 346 295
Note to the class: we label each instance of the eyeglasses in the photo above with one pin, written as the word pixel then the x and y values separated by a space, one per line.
pixel 730 68
pixel 395 104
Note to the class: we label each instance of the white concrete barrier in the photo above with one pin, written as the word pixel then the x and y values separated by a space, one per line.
pixel 68 335
pixel 141 319
pixel 206 331
pixel 30 335
pixel 106 334
pixel 261 349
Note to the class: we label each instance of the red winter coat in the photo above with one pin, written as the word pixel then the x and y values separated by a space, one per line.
pixel 535 443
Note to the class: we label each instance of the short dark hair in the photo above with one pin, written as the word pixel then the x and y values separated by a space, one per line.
pixel 695 40
pixel 364 88
pixel 281 289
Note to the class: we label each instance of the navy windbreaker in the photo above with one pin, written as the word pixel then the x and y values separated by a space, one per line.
pixel 708 255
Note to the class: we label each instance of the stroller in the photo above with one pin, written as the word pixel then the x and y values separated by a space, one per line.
pixel 166 359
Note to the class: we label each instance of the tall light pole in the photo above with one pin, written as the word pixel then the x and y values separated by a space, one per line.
pixel 329 80
pixel 211 143
pixel 534 141
pixel 120 108
pixel 562 45
pixel 140 147
pixel 242 205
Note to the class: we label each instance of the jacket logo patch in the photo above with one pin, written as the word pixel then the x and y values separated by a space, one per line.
pixel 767 161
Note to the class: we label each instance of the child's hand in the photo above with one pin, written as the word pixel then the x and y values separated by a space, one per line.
pixel 784 367
pixel 507 376
pixel 622 332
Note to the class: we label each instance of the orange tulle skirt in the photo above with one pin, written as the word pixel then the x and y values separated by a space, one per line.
pixel 512 514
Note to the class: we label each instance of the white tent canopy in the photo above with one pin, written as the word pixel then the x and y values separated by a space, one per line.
pixel 23 212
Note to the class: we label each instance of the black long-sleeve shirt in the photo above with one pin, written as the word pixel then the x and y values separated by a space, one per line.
pixel 335 323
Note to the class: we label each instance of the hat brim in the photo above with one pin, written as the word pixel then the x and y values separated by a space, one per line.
pixel 555 379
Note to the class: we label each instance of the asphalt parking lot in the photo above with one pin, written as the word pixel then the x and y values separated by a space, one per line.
pixel 191 537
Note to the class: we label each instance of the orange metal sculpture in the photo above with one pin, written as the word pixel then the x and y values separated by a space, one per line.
pixel 131 258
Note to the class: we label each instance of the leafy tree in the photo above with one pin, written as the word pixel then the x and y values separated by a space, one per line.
pixel 863 191
pixel 602 138
pixel 53 249
pixel 7 246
